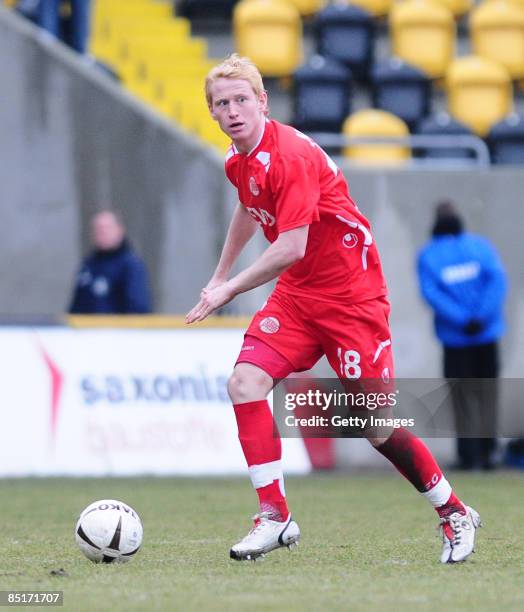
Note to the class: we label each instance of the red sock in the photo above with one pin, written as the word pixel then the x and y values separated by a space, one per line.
pixel 414 461
pixel 262 448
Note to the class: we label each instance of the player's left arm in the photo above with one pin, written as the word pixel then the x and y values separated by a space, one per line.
pixel 288 248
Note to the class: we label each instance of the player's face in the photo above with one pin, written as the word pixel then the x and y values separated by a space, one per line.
pixel 240 112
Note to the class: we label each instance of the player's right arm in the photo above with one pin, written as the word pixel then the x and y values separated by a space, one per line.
pixel 240 231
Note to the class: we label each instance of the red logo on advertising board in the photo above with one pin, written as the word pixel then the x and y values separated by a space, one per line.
pixel 57 382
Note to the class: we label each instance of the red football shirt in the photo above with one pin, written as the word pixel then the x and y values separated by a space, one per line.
pixel 288 181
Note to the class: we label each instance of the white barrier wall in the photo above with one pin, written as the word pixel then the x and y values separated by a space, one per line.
pixel 121 402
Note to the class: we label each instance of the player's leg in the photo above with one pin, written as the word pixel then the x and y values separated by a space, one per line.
pixel 360 349
pixel 259 364
pixel 248 387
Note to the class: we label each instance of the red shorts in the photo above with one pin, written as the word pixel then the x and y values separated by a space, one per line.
pixel 356 339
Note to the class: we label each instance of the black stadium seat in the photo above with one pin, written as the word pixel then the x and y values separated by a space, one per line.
pixel 401 89
pixel 442 124
pixel 346 33
pixel 506 140
pixel 205 9
pixel 322 95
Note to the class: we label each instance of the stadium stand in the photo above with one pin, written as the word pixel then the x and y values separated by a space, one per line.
pixel 423 33
pixel 506 140
pixel 321 95
pixel 497 32
pixel 401 89
pixel 442 124
pixel 375 124
pixel 479 92
pixel 155 56
pixel 346 33
pixel 157 59
pixel 270 33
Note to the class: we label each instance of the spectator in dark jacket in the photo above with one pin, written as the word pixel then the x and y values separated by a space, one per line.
pixel 113 279
pixel 462 279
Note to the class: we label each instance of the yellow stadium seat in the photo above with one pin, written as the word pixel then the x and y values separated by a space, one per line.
pixel 457 7
pixel 376 123
pixel 378 8
pixel 134 26
pixel 143 8
pixel 479 92
pixel 269 32
pixel 172 50
pixel 148 68
pixel 497 32
pixel 114 32
pixel 307 7
pixel 423 34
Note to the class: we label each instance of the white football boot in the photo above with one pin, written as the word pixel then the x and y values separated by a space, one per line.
pixel 458 535
pixel 265 536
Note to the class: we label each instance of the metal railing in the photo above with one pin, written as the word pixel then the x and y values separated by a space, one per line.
pixel 472 144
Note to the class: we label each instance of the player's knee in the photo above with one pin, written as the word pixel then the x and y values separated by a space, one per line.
pixel 376 442
pixel 248 383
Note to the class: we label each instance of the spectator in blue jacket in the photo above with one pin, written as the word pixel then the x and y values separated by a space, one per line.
pixel 463 280
pixel 112 279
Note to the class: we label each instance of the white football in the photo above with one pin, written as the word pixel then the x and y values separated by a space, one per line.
pixel 109 531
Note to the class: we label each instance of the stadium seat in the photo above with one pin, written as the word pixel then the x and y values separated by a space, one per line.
pixel 270 33
pixel 378 8
pixel 457 7
pixel 322 94
pixel 206 9
pixel 422 33
pixel 506 140
pixel 442 124
pixel 479 92
pixel 517 2
pixel 401 89
pixel 346 33
pixel 376 123
pixel 497 32
pixel 307 7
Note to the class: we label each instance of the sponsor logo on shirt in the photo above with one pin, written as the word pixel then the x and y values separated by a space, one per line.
pixel 253 187
pixel 460 273
pixel 100 286
pixel 350 240
pixel 269 325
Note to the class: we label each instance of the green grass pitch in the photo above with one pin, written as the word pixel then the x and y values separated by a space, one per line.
pixel 368 543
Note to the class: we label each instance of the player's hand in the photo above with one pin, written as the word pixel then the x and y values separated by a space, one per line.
pixel 210 300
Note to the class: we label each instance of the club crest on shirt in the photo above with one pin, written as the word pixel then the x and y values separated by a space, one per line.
pixel 350 240
pixel 253 187
pixel 269 325
pixel 385 376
